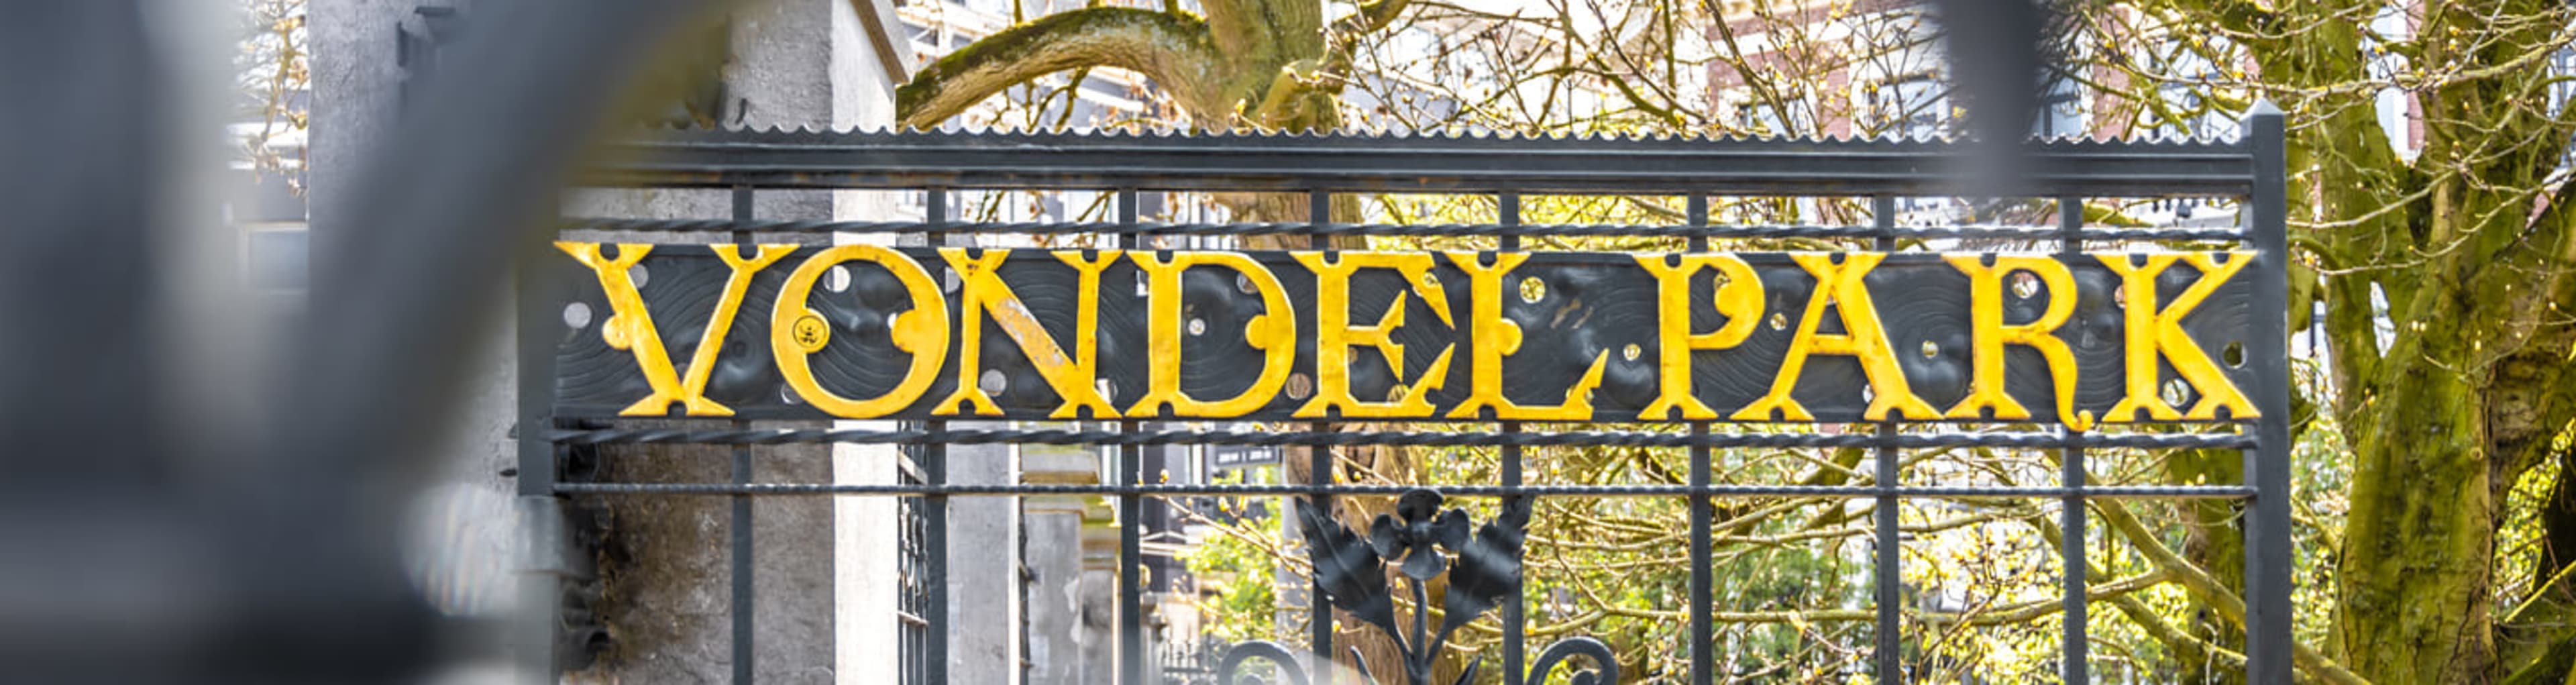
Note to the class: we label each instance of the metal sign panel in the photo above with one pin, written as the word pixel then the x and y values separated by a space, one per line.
pixel 861 331
pixel 1241 456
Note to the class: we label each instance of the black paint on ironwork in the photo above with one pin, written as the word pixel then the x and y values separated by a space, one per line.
pixel 1131 524
pixel 1889 550
pixel 934 471
pixel 2075 666
pixel 1703 626
pixel 1420 163
pixel 1351 567
pixel 1322 166
pixel 1319 472
pixel 1507 212
pixel 741 525
pixel 2268 539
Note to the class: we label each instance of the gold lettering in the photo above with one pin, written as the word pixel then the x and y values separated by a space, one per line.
pixel 630 326
pixel 1073 378
pixel 1274 332
pixel 2151 332
pixel 1989 335
pixel 1738 298
pixel 796 331
pixel 1839 286
pixel 1497 337
pixel 1335 336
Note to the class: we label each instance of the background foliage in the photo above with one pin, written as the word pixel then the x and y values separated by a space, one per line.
pixel 2428 148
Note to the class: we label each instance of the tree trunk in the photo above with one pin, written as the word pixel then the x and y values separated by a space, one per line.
pixel 2419 545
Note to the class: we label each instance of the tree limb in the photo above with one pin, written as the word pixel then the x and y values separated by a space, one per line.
pixel 1175 51
pixel 2201 584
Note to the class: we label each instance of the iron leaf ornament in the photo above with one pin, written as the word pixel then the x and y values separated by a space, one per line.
pixel 1351 574
pixel 1351 569
pixel 1489 568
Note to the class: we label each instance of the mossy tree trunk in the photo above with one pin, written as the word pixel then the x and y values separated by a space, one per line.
pixel 2468 246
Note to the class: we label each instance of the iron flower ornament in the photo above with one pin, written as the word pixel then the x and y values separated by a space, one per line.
pixel 1351 570
pixel 1418 536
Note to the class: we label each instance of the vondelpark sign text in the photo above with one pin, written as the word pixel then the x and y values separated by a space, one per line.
pixel 863 332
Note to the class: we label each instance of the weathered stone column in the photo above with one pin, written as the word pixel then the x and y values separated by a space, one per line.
pixel 1070 604
pixel 792 63
pixel 983 565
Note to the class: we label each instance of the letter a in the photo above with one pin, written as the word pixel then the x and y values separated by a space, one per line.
pixel 1839 286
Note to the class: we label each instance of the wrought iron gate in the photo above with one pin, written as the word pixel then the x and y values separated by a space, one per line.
pixel 1321 167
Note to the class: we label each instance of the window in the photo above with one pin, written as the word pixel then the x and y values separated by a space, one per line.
pixel 1756 115
pixel 2061 111
pixel 1760 119
pixel 912 568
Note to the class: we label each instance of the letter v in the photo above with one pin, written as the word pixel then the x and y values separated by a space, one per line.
pixel 630 326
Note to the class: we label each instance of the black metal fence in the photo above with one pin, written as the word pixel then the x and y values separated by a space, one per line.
pixel 1321 167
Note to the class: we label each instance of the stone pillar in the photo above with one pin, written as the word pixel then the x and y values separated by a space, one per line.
pixel 793 63
pixel 1099 596
pixel 866 572
pixel 983 565
pixel 1071 609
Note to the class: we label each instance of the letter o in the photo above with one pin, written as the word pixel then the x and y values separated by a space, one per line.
pixel 922 332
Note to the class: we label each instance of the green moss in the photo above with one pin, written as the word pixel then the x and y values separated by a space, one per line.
pixel 1032 49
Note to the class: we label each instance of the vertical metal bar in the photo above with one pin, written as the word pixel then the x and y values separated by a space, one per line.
pixel 1890 547
pixel 1319 471
pixel 540 511
pixel 1131 563
pixel 1319 621
pixel 1131 524
pixel 1703 628
pixel 2076 666
pixel 1507 212
pixel 743 598
pixel 934 508
pixel 2267 515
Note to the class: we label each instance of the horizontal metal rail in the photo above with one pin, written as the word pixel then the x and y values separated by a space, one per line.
pixel 1285 163
pixel 1265 490
pixel 789 436
pixel 1405 230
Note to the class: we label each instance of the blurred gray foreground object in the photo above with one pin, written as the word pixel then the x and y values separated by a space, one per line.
pixel 137 545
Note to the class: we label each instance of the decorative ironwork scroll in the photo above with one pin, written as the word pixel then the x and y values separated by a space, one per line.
pixel 860 331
